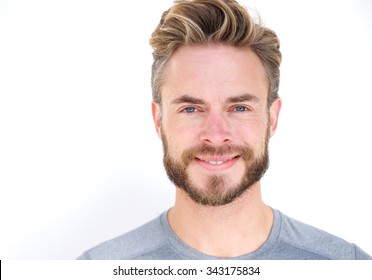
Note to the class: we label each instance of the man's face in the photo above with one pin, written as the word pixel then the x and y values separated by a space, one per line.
pixel 214 122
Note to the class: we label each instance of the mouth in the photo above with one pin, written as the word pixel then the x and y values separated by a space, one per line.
pixel 217 163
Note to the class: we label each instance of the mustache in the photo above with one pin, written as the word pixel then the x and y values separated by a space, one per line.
pixel 207 150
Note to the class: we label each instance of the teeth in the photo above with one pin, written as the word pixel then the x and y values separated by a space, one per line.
pixel 215 162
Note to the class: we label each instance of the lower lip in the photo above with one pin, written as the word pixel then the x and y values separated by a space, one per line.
pixel 218 167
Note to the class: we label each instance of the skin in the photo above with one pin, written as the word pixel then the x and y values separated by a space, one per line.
pixel 217 95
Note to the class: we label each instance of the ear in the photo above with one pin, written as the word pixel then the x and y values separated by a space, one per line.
pixel 274 115
pixel 156 115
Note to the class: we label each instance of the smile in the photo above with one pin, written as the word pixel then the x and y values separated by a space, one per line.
pixel 217 163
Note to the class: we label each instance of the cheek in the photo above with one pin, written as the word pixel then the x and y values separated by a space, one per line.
pixel 177 140
pixel 179 132
pixel 251 132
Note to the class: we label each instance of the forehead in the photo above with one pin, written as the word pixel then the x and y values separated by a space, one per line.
pixel 213 71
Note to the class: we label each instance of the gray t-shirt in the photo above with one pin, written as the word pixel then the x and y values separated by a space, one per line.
pixel 289 240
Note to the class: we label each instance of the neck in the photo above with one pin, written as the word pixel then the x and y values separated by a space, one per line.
pixel 222 231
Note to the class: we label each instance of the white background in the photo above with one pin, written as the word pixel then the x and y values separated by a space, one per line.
pixel 80 161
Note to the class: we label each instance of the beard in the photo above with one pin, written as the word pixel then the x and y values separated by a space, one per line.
pixel 217 190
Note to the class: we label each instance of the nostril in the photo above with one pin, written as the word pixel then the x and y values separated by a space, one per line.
pixel 216 138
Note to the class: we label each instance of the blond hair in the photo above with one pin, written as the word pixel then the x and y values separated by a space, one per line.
pixel 200 22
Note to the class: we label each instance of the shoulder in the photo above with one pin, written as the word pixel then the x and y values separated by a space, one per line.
pixel 132 245
pixel 313 243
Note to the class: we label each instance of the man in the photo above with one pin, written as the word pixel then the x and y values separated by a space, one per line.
pixel 215 106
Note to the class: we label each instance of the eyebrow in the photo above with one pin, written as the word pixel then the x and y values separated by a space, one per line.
pixel 234 99
pixel 188 99
pixel 243 98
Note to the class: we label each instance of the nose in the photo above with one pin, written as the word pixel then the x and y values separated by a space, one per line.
pixel 216 129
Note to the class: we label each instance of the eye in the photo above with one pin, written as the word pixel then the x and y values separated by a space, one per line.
pixel 240 108
pixel 189 110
